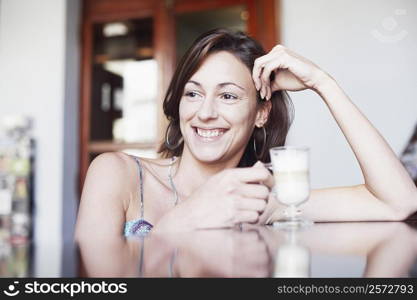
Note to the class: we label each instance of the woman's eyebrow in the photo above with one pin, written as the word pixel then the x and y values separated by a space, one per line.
pixel 230 83
pixel 194 82
pixel 219 85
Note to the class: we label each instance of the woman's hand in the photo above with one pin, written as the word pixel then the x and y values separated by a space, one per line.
pixel 292 72
pixel 230 197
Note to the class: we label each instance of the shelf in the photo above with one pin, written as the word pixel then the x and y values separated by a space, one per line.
pixel 111 146
pixel 140 54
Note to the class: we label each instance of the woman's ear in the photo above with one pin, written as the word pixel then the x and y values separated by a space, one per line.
pixel 263 113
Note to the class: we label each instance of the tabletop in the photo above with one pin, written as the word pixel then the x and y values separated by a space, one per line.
pixel 345 249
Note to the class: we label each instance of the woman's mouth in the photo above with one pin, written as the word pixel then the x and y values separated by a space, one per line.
pixel 209 134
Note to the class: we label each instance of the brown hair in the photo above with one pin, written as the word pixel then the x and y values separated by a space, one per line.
pixel 246 49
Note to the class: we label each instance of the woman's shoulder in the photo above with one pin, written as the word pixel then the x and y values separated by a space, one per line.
pixel 121 169
pixel 106 192
pixel 116 169
pixel 122 163
pixel 114 159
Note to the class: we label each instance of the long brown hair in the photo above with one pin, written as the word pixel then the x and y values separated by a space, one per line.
pixel 246 49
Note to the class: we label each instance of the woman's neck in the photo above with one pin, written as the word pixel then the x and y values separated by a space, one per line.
pixel 190 173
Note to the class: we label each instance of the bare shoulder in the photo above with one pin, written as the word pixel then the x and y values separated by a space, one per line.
pixel 113 171
pixel 106 193
pixel 118 161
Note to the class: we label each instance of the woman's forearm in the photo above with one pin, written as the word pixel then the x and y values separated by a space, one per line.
pixel 384 175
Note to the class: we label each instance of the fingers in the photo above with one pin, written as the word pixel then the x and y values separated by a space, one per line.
pixel 279 62
pixel 251 204
pixel 252 174
pixel 257 70
pixel 247 216
pixel 269 181
pixel 266 73
pixel 253 190
pixel 264 66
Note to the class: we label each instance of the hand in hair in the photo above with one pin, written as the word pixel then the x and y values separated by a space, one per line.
pixel 282 69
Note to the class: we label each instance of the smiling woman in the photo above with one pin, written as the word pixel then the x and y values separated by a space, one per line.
pixel 227 106
pixel 218 67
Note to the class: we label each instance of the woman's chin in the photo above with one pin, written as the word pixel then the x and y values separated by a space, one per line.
pixel 208 157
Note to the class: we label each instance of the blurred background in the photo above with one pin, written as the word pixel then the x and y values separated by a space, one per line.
pixel 79 78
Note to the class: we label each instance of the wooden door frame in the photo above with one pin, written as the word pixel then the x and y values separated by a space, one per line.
pixel 262 23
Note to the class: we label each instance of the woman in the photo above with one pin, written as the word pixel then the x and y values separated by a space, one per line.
pixel 227 106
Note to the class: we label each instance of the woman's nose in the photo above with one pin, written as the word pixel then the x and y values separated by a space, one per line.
pixel 208 109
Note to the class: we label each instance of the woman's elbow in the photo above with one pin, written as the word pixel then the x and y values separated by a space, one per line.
pixel 407 208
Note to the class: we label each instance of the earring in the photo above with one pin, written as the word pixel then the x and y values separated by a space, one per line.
pixel 169 146
pixel 263 145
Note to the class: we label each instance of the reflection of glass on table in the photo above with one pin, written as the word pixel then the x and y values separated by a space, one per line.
pixel 292 258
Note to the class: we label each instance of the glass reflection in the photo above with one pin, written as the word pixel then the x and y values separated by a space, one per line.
pixel 292 258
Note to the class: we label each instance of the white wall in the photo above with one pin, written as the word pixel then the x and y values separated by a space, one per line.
pixel 380 77
pixel 34 81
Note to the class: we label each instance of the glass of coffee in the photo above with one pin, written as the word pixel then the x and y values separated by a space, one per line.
pixel 290 166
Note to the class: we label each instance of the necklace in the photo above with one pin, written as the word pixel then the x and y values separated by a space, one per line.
pixel 171 181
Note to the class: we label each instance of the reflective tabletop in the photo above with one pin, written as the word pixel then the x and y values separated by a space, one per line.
pixel 364 249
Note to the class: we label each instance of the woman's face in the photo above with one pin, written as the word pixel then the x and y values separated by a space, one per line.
pixel 218 109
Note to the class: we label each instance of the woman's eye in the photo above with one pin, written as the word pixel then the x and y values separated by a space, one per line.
pixel 191 94
pixel 228 96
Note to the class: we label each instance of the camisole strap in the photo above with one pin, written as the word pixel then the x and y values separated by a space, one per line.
pixel 142 209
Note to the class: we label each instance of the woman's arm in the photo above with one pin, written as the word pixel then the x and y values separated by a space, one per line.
pixel 101 216
pixel 385 177
pixel 104 198
pixel 388 192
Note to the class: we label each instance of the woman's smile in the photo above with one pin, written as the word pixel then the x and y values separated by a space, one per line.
pixel 209 134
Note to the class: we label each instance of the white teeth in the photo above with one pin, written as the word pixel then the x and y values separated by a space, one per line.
pixel 209 132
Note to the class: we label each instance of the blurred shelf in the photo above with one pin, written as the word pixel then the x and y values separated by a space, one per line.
pixel 110 146
pixel 141 53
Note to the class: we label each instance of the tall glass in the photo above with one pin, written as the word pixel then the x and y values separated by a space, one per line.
pixel 290 166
